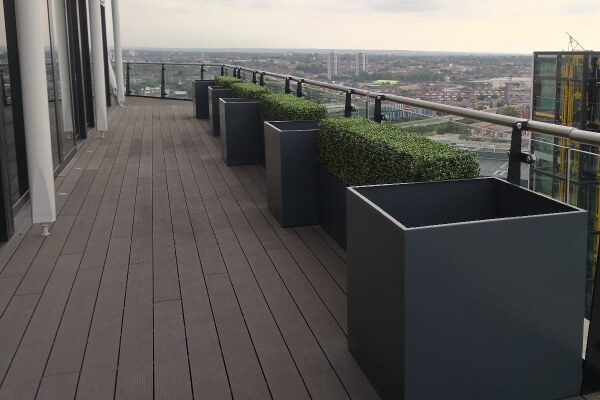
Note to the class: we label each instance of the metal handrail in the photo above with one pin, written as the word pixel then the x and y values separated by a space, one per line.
pixel 578 135
pixel 566 132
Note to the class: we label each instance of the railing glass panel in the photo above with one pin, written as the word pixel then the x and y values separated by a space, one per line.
pixel 333 101
pixel 179 80
pixel 145 79
pixel 275 84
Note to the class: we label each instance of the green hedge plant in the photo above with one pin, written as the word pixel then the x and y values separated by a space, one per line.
pixel 362 152
pixel 227 81
pixel 249 90
pixel 286 107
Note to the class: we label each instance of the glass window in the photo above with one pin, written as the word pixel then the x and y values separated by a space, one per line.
pixel 8 128
pixel 50 87
pixel 60 57
pixel 545 99
pixel 545 65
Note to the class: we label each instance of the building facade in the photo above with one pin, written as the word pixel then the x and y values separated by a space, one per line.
pixel 332 65
pixel 361 63
pixel 566 91
pixel 65 25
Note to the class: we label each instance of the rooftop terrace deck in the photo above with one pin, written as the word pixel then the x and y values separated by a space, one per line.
pixel 166 277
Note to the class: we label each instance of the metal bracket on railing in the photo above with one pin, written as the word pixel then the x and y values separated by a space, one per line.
pixel 202 71
pixel 287 86
pixel 254 77
pixel 515 155
pixel 128 82
pixel 348 104
pixel 223 70
pixel 377 115
pixel 299 88
pixel 262 79
pixel 163 89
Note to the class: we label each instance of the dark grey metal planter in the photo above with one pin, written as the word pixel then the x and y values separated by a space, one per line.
pixel 468 289
pixel 332 206
pixel 214 94
pixel 201 97
pixel 292 169
pixel 242 141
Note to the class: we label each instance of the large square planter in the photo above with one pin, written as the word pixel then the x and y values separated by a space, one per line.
pixel 241 132
pixel 292 169
pixel 332 206
pixel 468 289
pixel 201 97
pixel 214 94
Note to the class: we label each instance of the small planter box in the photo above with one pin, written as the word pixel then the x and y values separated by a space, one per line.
pixel 292 169
pixel 469 289
pixel 332 206
pixel 201 97
pixel 214 94
pixel 241 133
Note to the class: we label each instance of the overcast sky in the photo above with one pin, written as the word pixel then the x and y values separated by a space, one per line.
pixel 496 26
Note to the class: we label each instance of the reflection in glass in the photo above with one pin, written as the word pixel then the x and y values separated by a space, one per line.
pixel 50 87
pixel 62 75
pixel 8 129
pixel 545 65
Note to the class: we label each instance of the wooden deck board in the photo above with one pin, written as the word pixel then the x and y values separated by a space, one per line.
pixel 167 277
pixel 135 378
pixel 99 369
pixel 58 387
pixel 171 368
pixel 26 369
pixel 243 368
pixel 69 345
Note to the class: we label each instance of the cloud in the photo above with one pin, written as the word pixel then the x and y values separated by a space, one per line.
pixel 407 5
pixel 581 7
pixel 468 25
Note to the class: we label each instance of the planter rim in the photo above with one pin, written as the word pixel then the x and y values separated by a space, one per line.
pixel 274 124
pixel 354 191
pixel 290 120
pixel 237 100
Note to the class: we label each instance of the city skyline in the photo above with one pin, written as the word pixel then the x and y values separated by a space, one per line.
pixel 428 25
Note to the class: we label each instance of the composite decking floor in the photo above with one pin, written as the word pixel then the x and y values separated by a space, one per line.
pixel 166 277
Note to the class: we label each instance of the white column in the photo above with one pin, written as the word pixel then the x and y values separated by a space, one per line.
pixel 98 66
pixel 30 39
pixel 63 63
pixel 118 51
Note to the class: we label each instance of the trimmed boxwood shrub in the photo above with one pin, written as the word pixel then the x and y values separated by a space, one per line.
pixel 227 81
pixel 362 152
pixel 286 107
pixel 249 90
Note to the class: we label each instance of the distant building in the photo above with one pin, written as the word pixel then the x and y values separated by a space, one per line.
pixel 361 63
pixel 332 65
pixel 566 92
